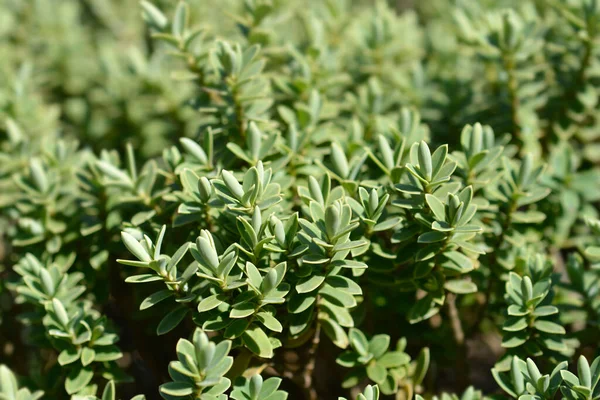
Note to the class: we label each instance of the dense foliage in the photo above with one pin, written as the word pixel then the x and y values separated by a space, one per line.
pixel 271 199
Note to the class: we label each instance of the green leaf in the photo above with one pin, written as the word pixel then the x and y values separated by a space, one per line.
pixel 159 240
pixel 177 389
pixel 332 220
pixel 109 392
pixel 309 284
pixel 269 321
pixel 269 387
pixel 153 15
pixel 353 264
pixel 211 302
pixel 299 303
pixel 137 264
pixel 549 327
pixel 348 359
pixel 376 372
pixel 232 184
pixel 529 217
pixel 87 356
pixel 208 253
pixel 425 162
pixel 583 391
pixel 143 278
pixel 436 206
pixel 458 262
pixel 258 342
pixel 337 297
pixel 441 226
pixel 423 309
pixel 345 284
pixel 340 314
pixel 358 341
pixel 379 344
pixel 38 175
pixel 69 355
pixel 300 322
pixel 340 162
pixel 514 339
pixel 569 378
pixel 194 149
pixel 583 370
pixel 254 276
pixel 178 256
pixel 545 311
pixel 180 19
pixel 388 224
pixel 393 359
pixel 503 383
pixel 77 379
pixel 432 237
pixel 593 252
pixel 135 247
pixel 60 312
pixel 595 370
pixel 221 351
pixel 107 353
pixel 47 282
pixel 460 286
pixel 438 158
pixel 349 245
pixel 254 140
pixel 421 367
pixel 171 320
pixel 335 332
pixel 156 298
pixel 517 376
pixel 353 378
pixel 236 328
pixel 515 324
pixel 242 310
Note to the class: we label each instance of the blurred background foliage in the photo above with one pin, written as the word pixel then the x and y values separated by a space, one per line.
pixel 78 77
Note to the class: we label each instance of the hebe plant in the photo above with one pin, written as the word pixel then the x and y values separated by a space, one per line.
pixel 265 199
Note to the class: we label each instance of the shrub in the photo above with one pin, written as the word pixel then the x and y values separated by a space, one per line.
pixel 264 200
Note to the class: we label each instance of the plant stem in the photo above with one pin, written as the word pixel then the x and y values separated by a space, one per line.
pixel 462 366
pixel 515 104
pixel 309 368
pixel 492 263
pixel 570 95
